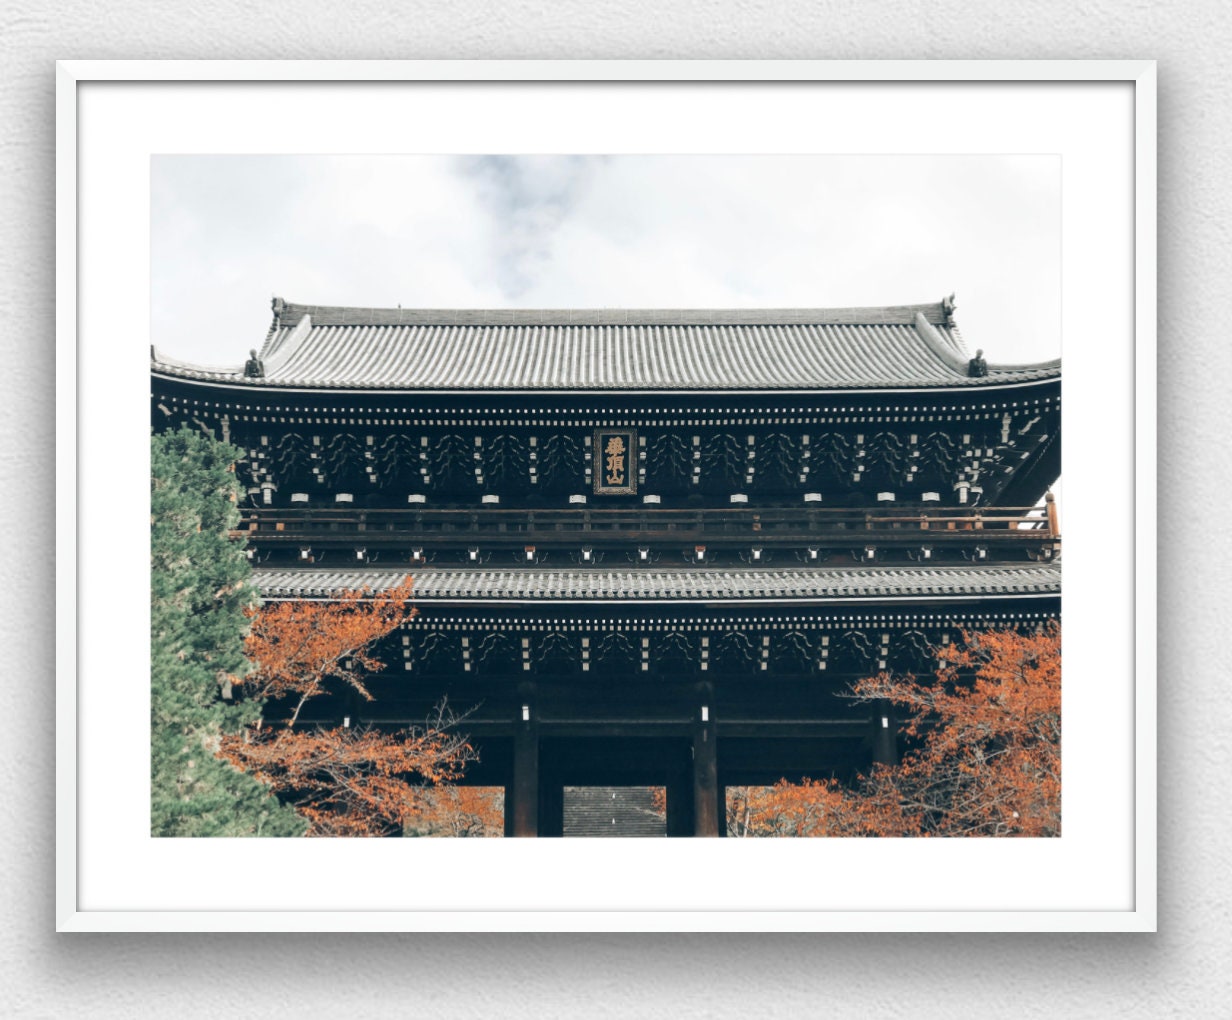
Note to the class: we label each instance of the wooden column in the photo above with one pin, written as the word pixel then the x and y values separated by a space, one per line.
pixel 524 793
pixel 679 790
pixel 551 801
pixel 705 779
pixel 885 734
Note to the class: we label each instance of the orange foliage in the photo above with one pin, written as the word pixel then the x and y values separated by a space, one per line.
pixel 785 809
pixel 658 801
pixel 299 647
pixel 352 782
pixel 815 808
pixel 457 811
pixel 984 757
pixel 344 781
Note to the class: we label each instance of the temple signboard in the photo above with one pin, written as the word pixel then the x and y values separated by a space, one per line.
pixel 614 464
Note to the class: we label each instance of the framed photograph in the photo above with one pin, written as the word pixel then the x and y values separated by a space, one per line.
pixel 687 393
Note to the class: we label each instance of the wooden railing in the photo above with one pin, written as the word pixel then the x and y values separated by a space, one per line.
pixel 672 523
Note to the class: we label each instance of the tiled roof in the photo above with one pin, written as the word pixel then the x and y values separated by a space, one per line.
pixel 685 584
pixel 904 346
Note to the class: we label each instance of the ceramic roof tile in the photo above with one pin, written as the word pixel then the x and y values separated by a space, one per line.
pixel 686 584
pixel 904 346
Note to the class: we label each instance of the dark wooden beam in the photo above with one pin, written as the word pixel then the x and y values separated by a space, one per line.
pixel 794 728
pixel 614 728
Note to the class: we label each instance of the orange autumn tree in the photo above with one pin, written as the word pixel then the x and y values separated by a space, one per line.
pixel 300 649
pixel 354 782
pixel 984 755
pixel 345 781
pixel 806 808
pixel 446 810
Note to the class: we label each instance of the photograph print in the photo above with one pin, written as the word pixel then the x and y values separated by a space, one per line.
pixel 605 496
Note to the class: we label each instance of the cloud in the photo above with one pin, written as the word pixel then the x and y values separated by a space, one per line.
pixel 615 231
pixel 529 198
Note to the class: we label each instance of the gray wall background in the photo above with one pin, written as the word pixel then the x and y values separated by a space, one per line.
pixel 1181 971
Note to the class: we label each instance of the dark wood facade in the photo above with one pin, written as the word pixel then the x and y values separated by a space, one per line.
pixel 667 585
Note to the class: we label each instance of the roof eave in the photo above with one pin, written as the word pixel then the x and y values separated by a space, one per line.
pixel 960 384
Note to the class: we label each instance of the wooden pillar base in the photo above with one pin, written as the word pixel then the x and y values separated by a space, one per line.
pixel 551 802
pixel 705 781
pixel 679 791
pixel 524 793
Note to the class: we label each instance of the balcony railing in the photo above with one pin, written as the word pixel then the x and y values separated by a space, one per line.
pixel 786 524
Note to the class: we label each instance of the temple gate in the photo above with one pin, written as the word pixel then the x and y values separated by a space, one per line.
pixel 651 549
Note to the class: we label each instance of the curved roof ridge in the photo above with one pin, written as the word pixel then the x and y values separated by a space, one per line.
pixel 159 359
pixel 289 314
pixel 1037 366
pixel 281 343
pixel 937 344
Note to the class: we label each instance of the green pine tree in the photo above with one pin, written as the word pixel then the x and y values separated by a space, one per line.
pixel 199 588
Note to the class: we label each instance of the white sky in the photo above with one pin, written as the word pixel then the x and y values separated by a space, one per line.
pixel 230 232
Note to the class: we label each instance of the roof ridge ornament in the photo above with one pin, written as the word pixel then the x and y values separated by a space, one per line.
pixel 254 368
pixel 947 309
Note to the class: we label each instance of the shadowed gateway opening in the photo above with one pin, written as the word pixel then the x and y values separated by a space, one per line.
pixel 615 786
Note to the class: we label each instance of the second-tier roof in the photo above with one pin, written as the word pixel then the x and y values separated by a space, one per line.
pixel 677 584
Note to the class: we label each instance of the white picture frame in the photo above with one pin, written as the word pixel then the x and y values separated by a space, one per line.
pixel 1099 116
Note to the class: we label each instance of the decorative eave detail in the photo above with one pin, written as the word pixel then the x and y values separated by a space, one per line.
pixel 955 354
